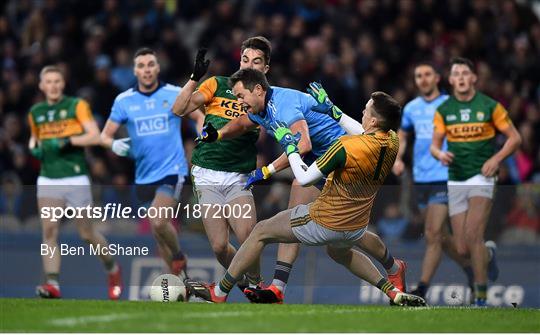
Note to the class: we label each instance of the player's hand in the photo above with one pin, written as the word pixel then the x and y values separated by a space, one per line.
pixel 398 167
pixel 324 104
pixel 121 146
pixel 285 137
pixel 201 65
pixel 445 157
pixel 490 167
pixel 256 176
pixel 208 134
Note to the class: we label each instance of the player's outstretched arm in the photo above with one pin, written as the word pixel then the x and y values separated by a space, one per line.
pixel 399 165
pixel 306 176
pixel 188 100
pixel 304 146
pixel 326 106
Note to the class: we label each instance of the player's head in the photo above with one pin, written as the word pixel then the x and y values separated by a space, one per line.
pixel 256 54
pixel 250 87
pixel 51 82
pixel 382 112
pixel 462 76
pixel 146 67
pixel 426 78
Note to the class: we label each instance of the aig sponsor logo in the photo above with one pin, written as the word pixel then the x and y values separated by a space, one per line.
pixel 151 125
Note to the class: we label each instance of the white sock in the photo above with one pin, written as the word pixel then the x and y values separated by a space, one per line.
pixel 279 284
pixel 53 283
pixel 218 292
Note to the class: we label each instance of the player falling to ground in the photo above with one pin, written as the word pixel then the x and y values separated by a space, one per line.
pixel 61 127
pixel 220 170
pixel 469 120
pixel 275 104
pixel 155 143
pixel 356 166
pixel 429 175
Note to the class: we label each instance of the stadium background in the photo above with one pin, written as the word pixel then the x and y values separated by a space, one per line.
pixel 352 47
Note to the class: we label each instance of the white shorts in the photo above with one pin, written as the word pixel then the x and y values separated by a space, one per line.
pixel 218 187
pixel 311 233
pixel 75 191
pixel 459 192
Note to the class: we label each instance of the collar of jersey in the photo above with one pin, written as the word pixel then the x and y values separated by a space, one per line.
pixel 266 99
pixel 160 85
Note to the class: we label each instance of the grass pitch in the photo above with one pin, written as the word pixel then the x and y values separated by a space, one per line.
pixel 33 315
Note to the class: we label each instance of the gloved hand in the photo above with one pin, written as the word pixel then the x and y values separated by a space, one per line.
pixel 325 105
pixel 201 65
pixel 121 146
pixel 256 176
pixel 208 134
pixel 288 141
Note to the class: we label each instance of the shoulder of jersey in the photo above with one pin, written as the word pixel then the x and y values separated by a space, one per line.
pixel 171 87
pixel 127 93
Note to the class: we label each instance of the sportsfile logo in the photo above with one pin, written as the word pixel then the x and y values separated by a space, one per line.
pixel 151 125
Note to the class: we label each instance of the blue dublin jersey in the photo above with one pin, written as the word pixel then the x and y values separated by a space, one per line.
pixel 418 118
pixel 156 142
pixel 288 105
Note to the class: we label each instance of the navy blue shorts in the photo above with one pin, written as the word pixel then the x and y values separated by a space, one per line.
pixel 431 193
pixel 170 185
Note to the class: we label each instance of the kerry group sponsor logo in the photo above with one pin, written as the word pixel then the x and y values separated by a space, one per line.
pixel 151 125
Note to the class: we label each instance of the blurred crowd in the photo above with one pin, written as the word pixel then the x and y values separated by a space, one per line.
pixel 352 47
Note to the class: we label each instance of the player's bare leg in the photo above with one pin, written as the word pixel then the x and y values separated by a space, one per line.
pixel 287 252
pixel 242 227
pixel 475 227
pixel 165 234
pixel 90 235
pixel 361 266
pixel 217 231
pixel 395 268
pixel 275 229
pixel 51 263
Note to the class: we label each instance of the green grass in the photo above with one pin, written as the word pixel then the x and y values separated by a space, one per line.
pixel 33 315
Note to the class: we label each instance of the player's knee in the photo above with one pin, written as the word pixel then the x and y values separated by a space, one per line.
pixel 159 224
pixel 462 250
pixel 50 234
pixel 220 249
pixel 433 236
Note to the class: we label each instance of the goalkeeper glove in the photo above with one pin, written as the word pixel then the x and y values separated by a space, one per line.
pixel 208 134
pixel 288 141
pixel 259 174
pixel 121 146
pixel 324 104
pixel 201 65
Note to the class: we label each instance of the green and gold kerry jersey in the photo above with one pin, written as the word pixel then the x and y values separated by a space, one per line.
pixel 233 155
pixel 470 128
pixel 61 120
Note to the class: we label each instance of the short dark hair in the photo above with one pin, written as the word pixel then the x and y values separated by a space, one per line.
pixel 462 61
pixel 427 63
pixel 144 51
pixel 259 43
pixel 249 78
pixel 387 109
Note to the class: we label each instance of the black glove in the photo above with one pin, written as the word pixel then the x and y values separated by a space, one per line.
pixel 201 65
pixel 208 134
